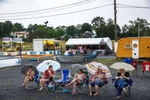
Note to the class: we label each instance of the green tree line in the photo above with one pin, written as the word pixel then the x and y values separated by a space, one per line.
pixel 98 25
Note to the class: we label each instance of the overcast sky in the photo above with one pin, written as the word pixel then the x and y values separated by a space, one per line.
pixel 123 14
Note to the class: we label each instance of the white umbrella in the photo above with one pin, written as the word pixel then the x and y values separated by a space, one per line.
pixel 119 65
pixel 93 66
pixel 45 64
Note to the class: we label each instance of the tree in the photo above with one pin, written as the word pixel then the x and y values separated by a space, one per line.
pixel 7 26
pixel 98 22
pixel 86 27
pixel 70 30
pixel 131 30
pixel 19 26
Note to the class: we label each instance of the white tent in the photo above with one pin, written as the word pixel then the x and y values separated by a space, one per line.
pixel 108 42
pixel 84 41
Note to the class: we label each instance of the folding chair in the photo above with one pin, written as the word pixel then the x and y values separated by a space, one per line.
pixel 65 79
pixel 127 87
pixel 82 85
pixel 35 80
pixel 104 84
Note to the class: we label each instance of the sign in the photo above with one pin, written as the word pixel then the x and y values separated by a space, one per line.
pixel 18 40
pixel 7 39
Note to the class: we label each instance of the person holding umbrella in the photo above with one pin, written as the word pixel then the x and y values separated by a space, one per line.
pixel 122 80
pixel 47 76
pixel 96 81
pixel 29 77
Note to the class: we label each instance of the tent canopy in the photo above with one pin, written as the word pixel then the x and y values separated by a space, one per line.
pixel 91 41
pixel 84 41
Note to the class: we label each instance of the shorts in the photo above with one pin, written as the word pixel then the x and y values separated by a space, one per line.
pixel 95 83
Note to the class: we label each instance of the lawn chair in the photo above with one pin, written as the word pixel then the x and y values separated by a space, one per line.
pixel 103 85
pixel 84 84
pixel 127 87
pixel 65 79
pixel 35 80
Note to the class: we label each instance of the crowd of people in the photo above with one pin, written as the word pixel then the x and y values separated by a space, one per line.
pixel 122 80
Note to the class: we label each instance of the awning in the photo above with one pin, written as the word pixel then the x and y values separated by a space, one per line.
pixel 84 41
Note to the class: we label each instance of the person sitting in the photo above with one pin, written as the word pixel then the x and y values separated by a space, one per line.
pixel 29 77
pixel 77 79
pixel 122 80
pixel 47 76
pixel 96 81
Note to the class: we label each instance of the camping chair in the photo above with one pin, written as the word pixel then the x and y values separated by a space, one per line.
pixel 65 79
pixel 35 80
pixel 82 85
pixel 103 85
pixel 127 87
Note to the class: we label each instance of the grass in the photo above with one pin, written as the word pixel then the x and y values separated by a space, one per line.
pixel 109 61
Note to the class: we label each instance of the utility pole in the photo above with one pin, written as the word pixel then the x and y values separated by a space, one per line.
pixel 46 26
pixel 115 21
pixel 138 27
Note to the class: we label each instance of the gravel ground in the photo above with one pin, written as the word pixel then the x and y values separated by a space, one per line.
pixel 11 80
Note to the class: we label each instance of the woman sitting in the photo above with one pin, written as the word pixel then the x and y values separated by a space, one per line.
pixel 122 80
pixel 47 76
pixel 29 77
pixel 96 81
pixel 77 79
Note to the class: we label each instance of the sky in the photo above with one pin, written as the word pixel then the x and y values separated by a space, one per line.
pixel 57 13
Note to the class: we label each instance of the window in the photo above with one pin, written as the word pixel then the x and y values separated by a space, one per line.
pixel 127 45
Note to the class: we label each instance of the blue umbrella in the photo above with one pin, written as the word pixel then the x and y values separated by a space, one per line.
pixel 45 64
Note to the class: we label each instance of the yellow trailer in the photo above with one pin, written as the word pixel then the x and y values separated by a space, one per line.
pixel 133 47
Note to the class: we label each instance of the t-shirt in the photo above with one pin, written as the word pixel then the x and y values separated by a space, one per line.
pixel 47 75
pixel 126 74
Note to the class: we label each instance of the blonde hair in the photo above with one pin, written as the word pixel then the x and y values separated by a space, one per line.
pixel 122 70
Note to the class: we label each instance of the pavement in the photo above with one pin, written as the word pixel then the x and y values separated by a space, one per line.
pixel 11 80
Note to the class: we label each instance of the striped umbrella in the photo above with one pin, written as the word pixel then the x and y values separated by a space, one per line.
pixel 93 66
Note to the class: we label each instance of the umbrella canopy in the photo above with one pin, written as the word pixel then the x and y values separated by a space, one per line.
pixel 26 67
pixel 119 65
pixel 45 64
pixel 75 67
pixel 93 66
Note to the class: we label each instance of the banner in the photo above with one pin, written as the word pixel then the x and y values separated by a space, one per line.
pixel 18 40
pixel 7 39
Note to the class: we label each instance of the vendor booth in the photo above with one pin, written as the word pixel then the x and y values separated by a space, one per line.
pixel 11 44
pixel 99 44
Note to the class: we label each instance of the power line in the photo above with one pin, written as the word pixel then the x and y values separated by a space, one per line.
pixel 50 10
pixel 131 6
pixel 60 13
pixel 46 8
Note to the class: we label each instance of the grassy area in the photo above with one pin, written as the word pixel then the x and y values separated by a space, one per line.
pixel 109 61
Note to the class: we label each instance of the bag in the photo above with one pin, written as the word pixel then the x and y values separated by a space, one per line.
pixel 65 90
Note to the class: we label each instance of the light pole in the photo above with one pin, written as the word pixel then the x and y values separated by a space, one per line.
pixel 138 27
pixel 46 26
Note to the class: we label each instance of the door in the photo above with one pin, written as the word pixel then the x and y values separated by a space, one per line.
pixel 135 49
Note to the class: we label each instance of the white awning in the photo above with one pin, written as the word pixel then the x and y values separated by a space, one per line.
pixel 84 41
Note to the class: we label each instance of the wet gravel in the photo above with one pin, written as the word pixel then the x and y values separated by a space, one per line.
pixel 11 80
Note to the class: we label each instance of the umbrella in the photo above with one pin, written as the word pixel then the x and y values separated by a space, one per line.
pixel 92 68
pixel 119 65
pixel 26 68
pixel 75 67
pixel 45 64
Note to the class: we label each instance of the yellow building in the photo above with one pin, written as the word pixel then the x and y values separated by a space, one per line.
pixel 133 47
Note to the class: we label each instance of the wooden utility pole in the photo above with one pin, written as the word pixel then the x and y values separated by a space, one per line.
pixel 115 21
